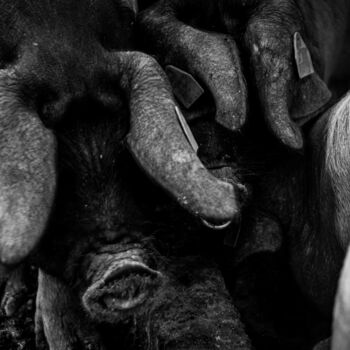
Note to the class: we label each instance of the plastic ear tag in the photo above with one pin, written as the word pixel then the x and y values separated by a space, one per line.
pixel 302 57
pixel 186 129
pixel 186 89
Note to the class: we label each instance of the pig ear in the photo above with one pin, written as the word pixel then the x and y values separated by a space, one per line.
pixel 211 58
pixel 160 147
pixel 27 176
pixel 312 96
pixel 282 64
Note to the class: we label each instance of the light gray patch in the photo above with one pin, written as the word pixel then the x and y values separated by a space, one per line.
pixel 337 164
pixel 302 57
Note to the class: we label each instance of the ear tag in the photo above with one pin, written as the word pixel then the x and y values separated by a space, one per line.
pixel 302 57
pixel 186 129
pixel 186 89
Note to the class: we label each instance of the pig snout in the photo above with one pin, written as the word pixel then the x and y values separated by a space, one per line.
pixel 126 284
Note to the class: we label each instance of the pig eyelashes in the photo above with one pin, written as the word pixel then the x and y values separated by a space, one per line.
pixel 27 174
pixel 160 147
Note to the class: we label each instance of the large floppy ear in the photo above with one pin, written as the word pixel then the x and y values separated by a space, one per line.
pixel 212 58
pixel 27 174
pixel 161 148
pixel 288 86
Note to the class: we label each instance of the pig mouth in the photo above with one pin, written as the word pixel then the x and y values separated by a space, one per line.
pixel 127 285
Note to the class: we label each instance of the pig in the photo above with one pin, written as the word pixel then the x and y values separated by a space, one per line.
pixel 69 196
pixel 52 54
pixel 122 265
pixel 43 70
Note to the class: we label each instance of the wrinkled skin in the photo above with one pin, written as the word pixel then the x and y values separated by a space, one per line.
pixel 257 35
pixel 63 62
pixel 53 55
pixel 45 72
pixel 131 269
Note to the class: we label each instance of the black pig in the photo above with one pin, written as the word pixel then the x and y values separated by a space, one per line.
pixel 131 270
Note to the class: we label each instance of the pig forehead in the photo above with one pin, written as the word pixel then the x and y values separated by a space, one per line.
pixel 24 19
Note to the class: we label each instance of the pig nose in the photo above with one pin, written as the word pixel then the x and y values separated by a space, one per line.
pixel 127 284
pixel 131 283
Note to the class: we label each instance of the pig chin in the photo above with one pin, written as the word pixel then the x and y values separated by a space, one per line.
pixel 123 289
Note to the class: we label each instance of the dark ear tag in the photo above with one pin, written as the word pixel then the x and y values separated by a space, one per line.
pixel 311 93
pixel 186 89
pixel 302 57
pixel 186 129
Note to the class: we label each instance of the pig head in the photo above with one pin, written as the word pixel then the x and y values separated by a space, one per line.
pixel 53 54
pixel 123 251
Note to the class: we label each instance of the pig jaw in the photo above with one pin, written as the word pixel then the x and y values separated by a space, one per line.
pixel 127 284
